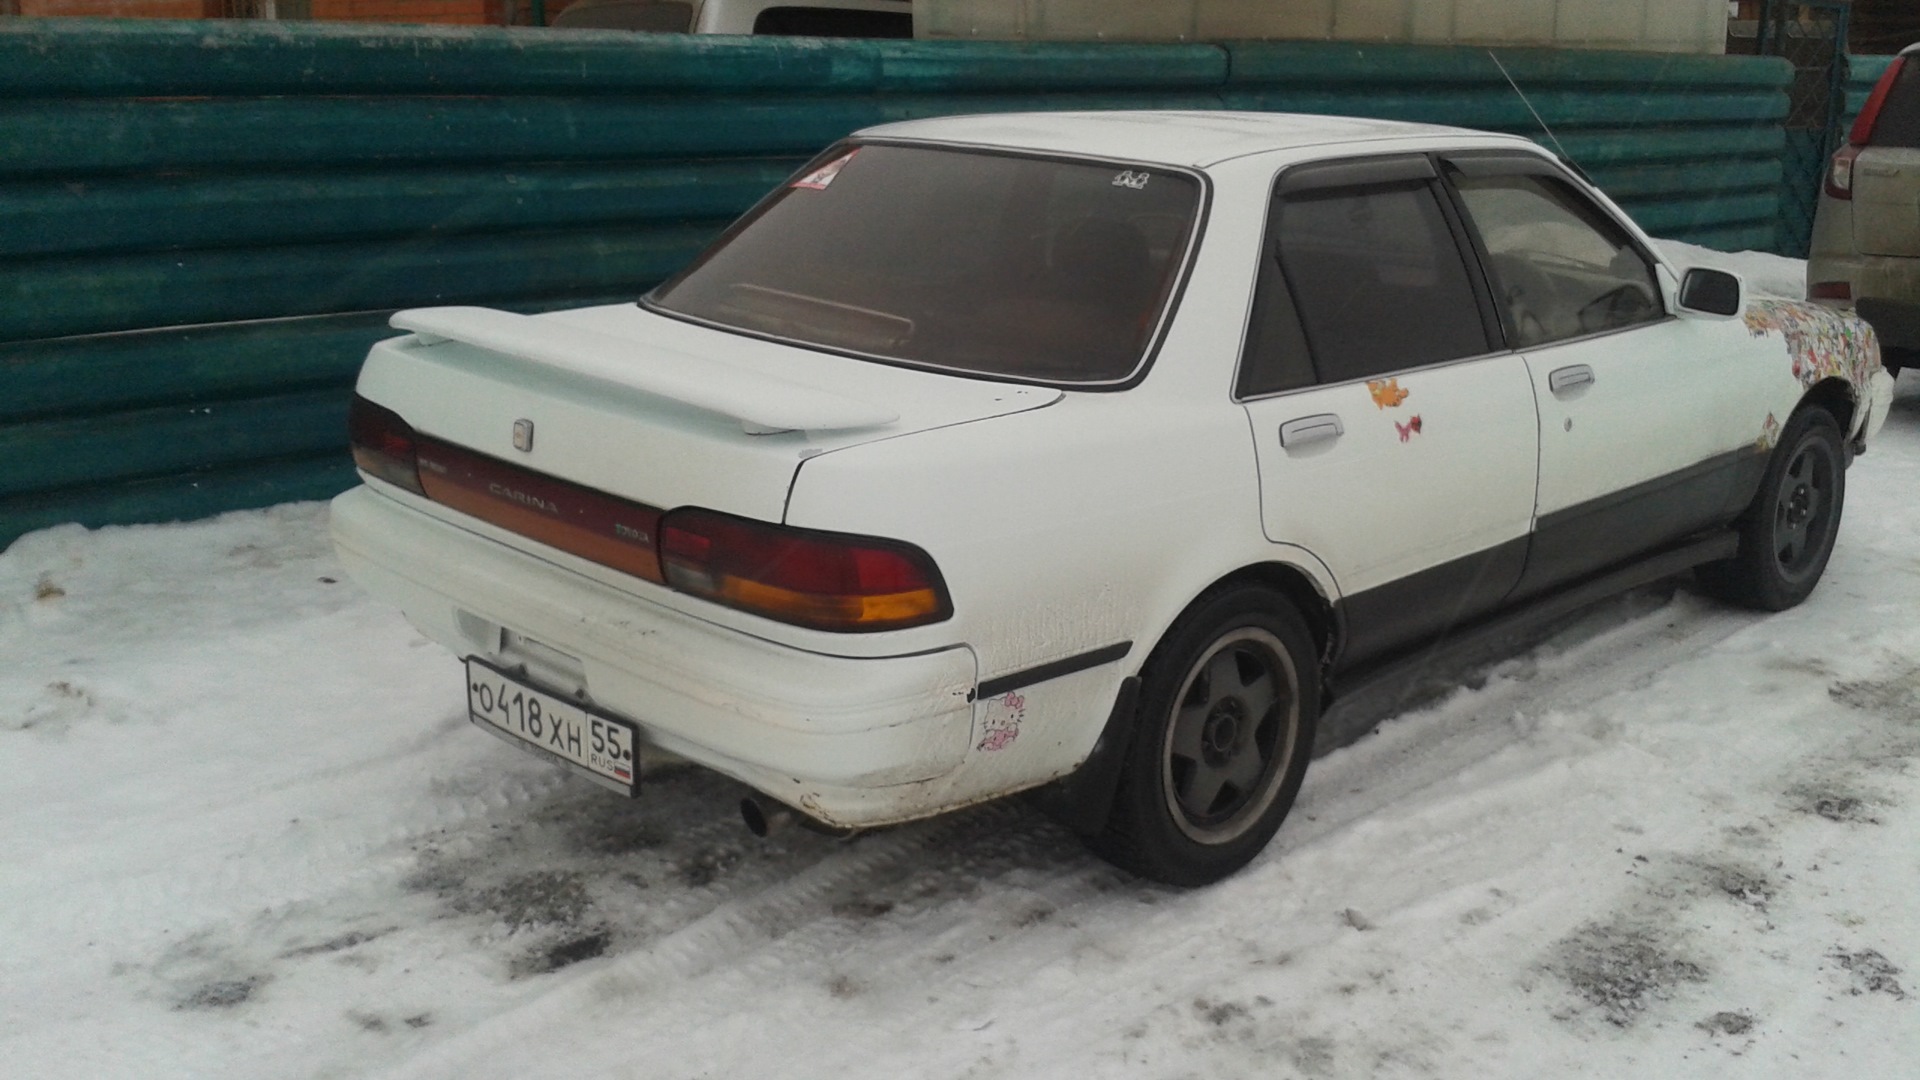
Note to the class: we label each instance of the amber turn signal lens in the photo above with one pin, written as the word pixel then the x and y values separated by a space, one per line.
pixel 821 580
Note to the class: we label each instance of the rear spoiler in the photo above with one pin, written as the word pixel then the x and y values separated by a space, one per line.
pixel 762 404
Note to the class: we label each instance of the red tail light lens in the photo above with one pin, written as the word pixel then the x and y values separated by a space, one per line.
pixel 1830 290
pixel 384 445
pixel 826 581
pixel 1862 134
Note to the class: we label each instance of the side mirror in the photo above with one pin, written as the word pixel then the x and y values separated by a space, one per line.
pixel 1713 292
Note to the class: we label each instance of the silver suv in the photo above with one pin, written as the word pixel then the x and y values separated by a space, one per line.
pixel 1866 234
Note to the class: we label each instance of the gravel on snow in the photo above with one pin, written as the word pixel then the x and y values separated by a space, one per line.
pixel 245 831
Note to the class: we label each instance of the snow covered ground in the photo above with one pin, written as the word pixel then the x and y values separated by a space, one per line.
pixel 246 831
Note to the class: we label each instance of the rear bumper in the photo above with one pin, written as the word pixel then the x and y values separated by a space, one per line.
pixel 1886 292
pixel 844 739
pixel 1896 322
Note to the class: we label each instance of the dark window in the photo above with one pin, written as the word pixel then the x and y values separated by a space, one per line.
pixel 1561 267
pixel 833 22
pixel 1378 279
pixel 995 264
pixel 645 16
pixel 1275 357
pixel 1899 121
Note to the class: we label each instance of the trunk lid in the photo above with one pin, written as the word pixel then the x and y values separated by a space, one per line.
pixel 653 409
pixel 1886 201
pixel 1886 175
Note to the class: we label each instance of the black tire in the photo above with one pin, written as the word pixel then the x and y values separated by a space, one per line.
pixel 1216 760
pixel 1787 535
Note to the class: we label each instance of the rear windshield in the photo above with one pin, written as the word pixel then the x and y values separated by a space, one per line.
pixel 989 264
pixel 1899 121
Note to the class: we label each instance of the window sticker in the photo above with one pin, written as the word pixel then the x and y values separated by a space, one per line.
pixel 818 179
pixel 1129 179
pixel 1409 429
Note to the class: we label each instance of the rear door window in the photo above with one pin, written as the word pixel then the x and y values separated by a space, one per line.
pixel 1051 270
pixel 1377 281
pixel 1899 122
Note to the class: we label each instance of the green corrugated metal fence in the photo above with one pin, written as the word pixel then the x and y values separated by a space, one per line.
pixel 203 225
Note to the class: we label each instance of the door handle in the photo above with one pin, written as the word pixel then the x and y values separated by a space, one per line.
pixel 1310 429
pixel 1564 379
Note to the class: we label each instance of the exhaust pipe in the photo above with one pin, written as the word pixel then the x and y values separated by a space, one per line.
pixel 764 817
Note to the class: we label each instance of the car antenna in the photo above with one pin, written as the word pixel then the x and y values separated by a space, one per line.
pixel 1538 119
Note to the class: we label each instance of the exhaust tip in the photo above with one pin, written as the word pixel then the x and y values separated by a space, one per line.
pixel 764 818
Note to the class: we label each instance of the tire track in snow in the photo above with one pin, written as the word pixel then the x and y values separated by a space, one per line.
pixel 724 935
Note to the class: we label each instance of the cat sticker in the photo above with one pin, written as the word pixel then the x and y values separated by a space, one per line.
pixel 1387 393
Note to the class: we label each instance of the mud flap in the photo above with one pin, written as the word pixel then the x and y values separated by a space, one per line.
pixel 1082 799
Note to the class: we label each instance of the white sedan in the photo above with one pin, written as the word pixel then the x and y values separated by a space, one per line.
pixel 1097 453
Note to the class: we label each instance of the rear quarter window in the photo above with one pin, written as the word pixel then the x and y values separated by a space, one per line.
pixel 1899 122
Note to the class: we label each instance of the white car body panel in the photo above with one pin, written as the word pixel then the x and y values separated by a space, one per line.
pixel 651 448
pixel 1639 419
pixel 765 404
pixel 1065 523
pixel 1459 446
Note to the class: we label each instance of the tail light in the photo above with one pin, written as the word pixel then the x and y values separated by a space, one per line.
pixel 384 445
pixel 1840 172
pixel 1862 133
pixel 1830 290
pixel 826 581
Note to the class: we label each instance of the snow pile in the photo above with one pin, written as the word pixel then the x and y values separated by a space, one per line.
pixel 1765 275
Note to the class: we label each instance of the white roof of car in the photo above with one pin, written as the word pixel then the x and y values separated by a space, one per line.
pixel 1192 138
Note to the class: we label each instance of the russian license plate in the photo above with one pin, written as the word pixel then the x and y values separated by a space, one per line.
pixel 598 747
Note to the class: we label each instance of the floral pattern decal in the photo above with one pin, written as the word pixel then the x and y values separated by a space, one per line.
pixel 1822 342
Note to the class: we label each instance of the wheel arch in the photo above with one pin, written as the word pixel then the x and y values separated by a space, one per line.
pixel 1838 397
pixel 1322 615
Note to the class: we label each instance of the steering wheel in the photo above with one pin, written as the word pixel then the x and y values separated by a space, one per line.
pixel 1616 307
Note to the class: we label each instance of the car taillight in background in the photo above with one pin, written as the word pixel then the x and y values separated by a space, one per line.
pixel 1840 169
pixel 384 445
pixel 826 581
pixel 1840 172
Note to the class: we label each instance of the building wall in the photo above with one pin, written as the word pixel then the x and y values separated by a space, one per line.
pixel 204 224
pixel 445 12
pixel 118 9
pixel 1696 26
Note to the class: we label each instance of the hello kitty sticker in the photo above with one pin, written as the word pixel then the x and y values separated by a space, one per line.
pixel 1001 721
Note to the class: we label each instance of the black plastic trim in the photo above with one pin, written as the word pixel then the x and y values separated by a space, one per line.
pixel 1578 540
pixel 1054 670
pixel 1363 697
pixel 1430 602
pixel 1083 799
pixel 1397 168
